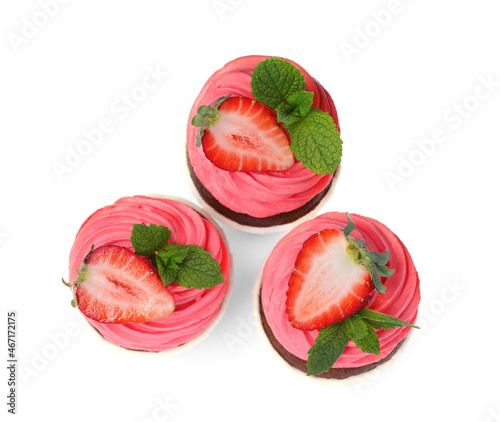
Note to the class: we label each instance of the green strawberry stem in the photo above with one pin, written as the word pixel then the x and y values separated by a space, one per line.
pixel 207 117
pixel 373 261
pixel 81 278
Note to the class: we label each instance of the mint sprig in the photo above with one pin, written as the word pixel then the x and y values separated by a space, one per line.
pixel 315 139
pixel 169 261
pixel 375 262
pixel 359 327
pixel 188 266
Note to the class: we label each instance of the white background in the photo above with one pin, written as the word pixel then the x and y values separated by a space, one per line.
pixel 394 83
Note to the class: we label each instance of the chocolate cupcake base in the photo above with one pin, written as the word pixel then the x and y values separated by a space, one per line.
pixel 245 220
pixel 334 373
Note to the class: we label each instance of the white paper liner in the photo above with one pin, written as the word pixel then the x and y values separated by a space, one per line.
pixel 352 380
pixel 222 309
pixel 261 230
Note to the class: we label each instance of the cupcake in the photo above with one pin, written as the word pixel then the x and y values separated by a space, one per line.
pixel 263 144
pixel 150 273
pixel 337 297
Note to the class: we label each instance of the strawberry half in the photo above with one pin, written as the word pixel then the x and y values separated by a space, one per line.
pixel 117 286
pixel 241 134
pixel 335 276
pixel 327 285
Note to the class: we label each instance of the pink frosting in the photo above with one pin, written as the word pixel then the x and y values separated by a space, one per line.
pixel 256 194
pixel 194 308
pixel 401 300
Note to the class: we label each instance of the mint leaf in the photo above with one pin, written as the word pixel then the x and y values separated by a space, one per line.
pixel 297 107
pixel 369 343
pixel 329 345
pixel 199 270
pixel 168 260
pixel 174 252
pixel 300 103
pixel 147 240
pixel 275 80
pixel 379 320
pixel 356 327
pixel 167 271
pixel 316 142
pixel 362 334
pixel 284 115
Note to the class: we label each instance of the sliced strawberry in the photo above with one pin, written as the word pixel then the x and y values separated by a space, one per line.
pixel 327 284
pixel 246 137
pixel 117 286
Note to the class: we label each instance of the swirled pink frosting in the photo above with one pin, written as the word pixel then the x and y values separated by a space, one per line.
pixel 256 194
pixel 401 299
pixel 195 309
